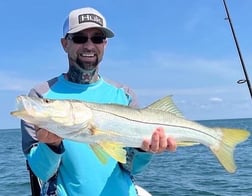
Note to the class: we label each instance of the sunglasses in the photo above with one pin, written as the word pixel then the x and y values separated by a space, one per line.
pixel 78 39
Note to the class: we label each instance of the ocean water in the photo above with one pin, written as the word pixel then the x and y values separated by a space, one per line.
pixel 190 171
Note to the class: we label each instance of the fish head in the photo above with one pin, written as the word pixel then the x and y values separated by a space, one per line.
pixel 49 112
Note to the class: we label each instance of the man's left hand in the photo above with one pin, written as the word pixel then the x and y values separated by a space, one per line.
pixel 159 142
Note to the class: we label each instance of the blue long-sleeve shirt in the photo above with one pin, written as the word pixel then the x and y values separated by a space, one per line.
pixel 79 172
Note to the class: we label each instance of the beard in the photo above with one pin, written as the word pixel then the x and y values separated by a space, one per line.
pixel 83 72
pixel 87 65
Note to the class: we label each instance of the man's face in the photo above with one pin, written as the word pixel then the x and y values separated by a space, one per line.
pixel 85 48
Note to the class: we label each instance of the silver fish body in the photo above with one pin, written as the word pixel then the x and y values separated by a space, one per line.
pixel 110 127
pixel 130 126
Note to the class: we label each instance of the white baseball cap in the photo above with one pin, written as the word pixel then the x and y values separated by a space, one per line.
pixel 86 18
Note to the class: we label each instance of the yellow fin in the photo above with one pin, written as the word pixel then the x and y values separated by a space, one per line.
pixel 115 150
pixel 225 152
pixel 96 131
pixel 106 148
pixel 100 153
pixel 185 144
pixel 166 104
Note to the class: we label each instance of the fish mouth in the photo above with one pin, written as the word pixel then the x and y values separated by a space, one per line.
pixel 22 106
pixel 18 113
pixel 27 108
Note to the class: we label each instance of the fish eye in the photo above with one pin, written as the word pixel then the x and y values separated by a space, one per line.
pixel 47 100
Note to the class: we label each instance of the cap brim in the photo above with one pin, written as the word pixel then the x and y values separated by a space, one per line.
pixel 108 33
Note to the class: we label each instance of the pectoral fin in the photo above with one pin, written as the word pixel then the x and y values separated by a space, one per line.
pixel 95 131
pixel 185 144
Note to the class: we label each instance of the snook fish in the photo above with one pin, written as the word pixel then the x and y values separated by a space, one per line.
pixel 108 128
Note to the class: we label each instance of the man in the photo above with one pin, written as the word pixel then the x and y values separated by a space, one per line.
pixel 71 168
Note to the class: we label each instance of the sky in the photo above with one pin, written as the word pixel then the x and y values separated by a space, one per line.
pixel 180 48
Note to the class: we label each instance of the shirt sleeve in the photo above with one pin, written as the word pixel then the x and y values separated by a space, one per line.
pixel 137 160
pixel 43 161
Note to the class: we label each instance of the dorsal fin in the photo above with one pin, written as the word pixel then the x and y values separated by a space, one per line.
pixel 166 104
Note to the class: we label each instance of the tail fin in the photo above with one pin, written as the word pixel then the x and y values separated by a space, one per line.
pixel 225 152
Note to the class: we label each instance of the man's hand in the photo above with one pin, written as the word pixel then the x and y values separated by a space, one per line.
pixel 159 142
pixel 47 137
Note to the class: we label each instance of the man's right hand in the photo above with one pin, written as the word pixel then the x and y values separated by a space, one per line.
pixel 47 137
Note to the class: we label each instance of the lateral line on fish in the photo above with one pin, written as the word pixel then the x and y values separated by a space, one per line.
pixel 158 123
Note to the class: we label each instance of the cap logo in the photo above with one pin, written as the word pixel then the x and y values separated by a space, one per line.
pixel 90 18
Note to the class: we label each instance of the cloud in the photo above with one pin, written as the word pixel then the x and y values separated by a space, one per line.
pixel 216 99
pixel 11 81
pixel 195 65
pixel 159 69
